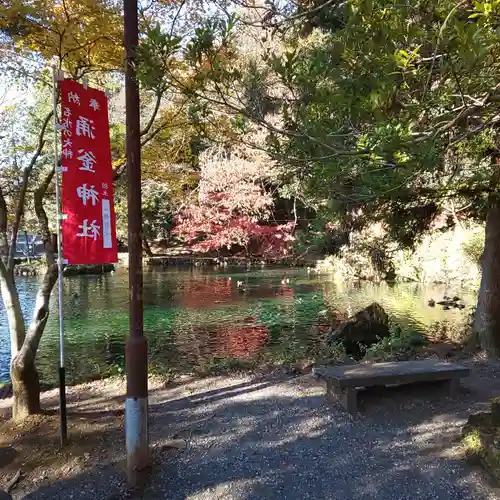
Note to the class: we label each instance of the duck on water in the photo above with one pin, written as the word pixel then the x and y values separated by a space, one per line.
pixel 447 303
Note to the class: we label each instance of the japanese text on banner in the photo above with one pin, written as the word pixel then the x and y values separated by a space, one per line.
pixel 89 226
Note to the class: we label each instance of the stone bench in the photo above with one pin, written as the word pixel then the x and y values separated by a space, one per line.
pixel 343 381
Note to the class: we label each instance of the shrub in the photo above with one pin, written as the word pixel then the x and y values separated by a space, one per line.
pixel 400 344
pixel 473 246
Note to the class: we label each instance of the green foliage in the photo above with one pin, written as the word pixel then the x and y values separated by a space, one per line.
pixel 82 34
pixel 440 257
pixel 480 441
pixel 156 58
pixel 115 370
pixel 449 331
pixel 473 246
pixel 312 239
pixel 400 344
pixel 368 255
pixel 472 443
pixel 209 37
pixel 219 366
pixel 384 109
pixel 444 256
pixel 158 211
pixel 336 352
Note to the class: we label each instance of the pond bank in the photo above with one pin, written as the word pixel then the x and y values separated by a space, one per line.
pixel 203 260
pixel 448 256
pixel 246 437
pixel 443 341
pixel 36 267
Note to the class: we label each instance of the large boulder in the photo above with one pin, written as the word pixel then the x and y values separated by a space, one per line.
pixel 365 328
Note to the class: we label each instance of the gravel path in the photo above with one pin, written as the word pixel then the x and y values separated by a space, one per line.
pixel 277 439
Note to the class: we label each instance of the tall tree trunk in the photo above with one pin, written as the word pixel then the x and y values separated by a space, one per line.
pixel 25 382
pixel 13 309
pixel 24 344
pixel 487 319
pixel 25 387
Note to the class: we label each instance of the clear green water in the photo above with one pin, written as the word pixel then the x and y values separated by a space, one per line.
pixel 195 316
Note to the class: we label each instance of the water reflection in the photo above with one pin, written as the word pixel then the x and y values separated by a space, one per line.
pixel 193 316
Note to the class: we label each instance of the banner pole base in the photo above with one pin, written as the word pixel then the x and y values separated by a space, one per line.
pixel 62 406
pixel 136 437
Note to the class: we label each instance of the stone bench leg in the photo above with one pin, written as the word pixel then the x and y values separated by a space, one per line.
pixel 347 396
pixel 453 387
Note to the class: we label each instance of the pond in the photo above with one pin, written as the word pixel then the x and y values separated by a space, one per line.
pixel 195 318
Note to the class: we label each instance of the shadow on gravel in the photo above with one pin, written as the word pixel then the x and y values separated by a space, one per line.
pixel 277 439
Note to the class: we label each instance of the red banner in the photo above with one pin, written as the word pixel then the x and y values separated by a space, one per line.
pixel 89 224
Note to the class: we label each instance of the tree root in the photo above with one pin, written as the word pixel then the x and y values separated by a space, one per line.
pixel 13 481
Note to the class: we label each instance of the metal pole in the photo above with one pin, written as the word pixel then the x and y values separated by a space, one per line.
pixel 62 370
pixel 136 355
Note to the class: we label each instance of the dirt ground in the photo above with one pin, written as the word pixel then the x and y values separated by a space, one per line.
pixel 96 426
pixel 95 430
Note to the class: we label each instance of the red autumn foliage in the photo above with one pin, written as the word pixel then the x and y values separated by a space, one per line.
pixel 207 293
pixel 240 341
pixel 232 210
pixel 219 229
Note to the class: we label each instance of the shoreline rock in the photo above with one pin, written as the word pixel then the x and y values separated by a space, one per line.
pixel 365 328
pixel 88 269
pixel 37 268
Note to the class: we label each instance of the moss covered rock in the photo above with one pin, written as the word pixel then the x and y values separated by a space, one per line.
pixel 365 328
pixel 481 439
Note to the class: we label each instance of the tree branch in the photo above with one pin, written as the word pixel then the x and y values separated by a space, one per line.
pixel 440 36
pixel 261 121
pixel 121 165
pixel 174 20
pixel 4 246
pixel 146 129
pixel 310 11
pixel 493 121
pixel 43 221
pixel 24 187
pixel 30 345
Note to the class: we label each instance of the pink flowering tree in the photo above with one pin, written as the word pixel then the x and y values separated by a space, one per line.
pixel 233 208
